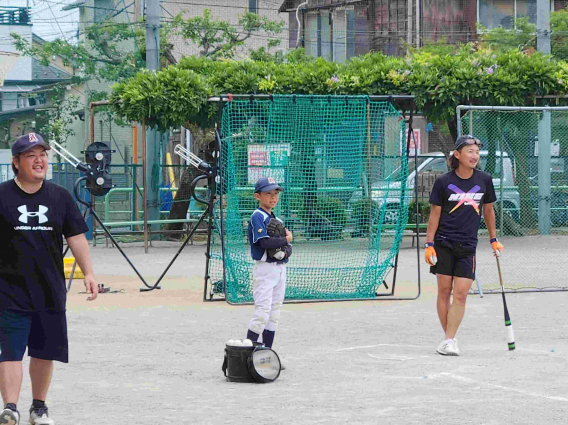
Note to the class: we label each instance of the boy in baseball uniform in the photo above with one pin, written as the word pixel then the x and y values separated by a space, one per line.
pixel 271 251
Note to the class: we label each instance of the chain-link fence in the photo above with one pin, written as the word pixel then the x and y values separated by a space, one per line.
pixel 122 208
pixel 525 149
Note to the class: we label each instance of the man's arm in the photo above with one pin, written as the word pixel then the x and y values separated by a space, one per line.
pixel 80 248
pixel 433 222
pixel 489 216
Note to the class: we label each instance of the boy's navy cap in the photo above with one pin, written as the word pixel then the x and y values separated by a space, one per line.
pixel 463 140
pixel 266 184
pixel 26 142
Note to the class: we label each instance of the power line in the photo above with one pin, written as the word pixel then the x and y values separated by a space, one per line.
pixel 218 6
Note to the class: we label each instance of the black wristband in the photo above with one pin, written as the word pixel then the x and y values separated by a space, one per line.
pixel 427 244
pixel 493 240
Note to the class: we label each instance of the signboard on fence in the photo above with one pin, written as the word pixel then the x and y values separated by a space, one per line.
pixel 425 184
pixel 415 142
pixel 267 160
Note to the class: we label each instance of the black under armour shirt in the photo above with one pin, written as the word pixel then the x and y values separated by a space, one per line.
pixel 31 246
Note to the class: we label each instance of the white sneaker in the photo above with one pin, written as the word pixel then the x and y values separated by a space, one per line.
pixel 9 417
pixel 448 348
pixel 39 416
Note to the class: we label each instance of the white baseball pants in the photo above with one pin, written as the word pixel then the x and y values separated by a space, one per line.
pixel 269 288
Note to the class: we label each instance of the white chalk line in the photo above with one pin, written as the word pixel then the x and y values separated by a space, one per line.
pixel 362 347
pixel 397 358
pixel 501 387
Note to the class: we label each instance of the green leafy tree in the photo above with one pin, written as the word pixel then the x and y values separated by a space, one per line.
pixel 521 36
pixel 105 54
pixel 55 121
pixel 559 37
pixel 220 39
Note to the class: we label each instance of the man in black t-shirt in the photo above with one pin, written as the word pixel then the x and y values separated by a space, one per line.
pixel 35 215
pixel 457 200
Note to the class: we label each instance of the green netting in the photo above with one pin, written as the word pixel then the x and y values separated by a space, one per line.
pixel 343 164
pixel 531 184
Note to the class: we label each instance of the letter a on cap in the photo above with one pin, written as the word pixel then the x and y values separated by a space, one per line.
pixel 33 138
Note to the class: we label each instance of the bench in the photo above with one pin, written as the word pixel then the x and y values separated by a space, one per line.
pixel 410 230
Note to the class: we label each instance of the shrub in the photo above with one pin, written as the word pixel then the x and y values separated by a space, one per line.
pixel 423 212
pixel 365 212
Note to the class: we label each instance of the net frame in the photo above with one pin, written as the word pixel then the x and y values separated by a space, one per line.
pixel 216 291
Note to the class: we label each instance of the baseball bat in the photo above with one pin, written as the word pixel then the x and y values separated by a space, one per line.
pixel 508 324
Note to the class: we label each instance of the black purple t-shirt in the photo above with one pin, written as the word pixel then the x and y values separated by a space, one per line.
pixel 462 204
pixel 32 227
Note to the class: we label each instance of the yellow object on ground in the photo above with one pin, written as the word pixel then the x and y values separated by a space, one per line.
pixel 171 172
pixel 68 266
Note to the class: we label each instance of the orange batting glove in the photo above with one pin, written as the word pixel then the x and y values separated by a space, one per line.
pixel 430 254
pixel 497 247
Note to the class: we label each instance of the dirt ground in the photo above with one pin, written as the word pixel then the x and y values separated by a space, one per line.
pixel 155 357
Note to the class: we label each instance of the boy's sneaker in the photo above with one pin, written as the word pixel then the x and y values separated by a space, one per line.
pixel 448 348
pixel 9 417
pixel 39 416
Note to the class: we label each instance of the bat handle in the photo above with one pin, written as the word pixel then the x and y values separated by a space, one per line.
pixel 499 270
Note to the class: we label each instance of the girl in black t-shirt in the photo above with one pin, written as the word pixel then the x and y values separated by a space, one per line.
pixel 457 200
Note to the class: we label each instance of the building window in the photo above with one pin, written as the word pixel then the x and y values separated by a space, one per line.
pixel 330 34
pixel 12 100
pixel 496 13
pixel 37 99
pixel 9 101
pixel 103 10
pixel 253 6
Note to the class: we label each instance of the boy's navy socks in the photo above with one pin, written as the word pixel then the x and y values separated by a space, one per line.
pixel 268 338
pixel 11 406
pixel 253 336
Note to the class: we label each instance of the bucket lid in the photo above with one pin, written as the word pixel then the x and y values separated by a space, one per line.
pixel 264 364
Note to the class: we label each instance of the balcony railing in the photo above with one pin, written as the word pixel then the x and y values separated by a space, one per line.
pixel 15 15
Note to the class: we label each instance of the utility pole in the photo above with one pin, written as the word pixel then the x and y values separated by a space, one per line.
pixel 543 26
pixel 152 136
pixel 544 126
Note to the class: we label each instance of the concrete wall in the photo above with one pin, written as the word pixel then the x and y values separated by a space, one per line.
pixel 22 70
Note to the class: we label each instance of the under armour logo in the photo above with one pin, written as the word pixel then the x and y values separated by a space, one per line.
pixel 33 138
pixel 40 214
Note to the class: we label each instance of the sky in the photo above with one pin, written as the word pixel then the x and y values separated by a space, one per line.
pixel 49 21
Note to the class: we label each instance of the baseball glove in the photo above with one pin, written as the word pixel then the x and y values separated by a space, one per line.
pixel 275 228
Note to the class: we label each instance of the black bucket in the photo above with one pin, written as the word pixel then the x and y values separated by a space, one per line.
pixel 238 365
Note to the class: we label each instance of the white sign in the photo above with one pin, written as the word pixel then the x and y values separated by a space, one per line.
pixel 554 148
pixel 415 143
pixel 267 160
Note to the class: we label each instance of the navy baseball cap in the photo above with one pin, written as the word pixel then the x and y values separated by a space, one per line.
pixel 266 184
pixel 26 142
pixel 466 139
